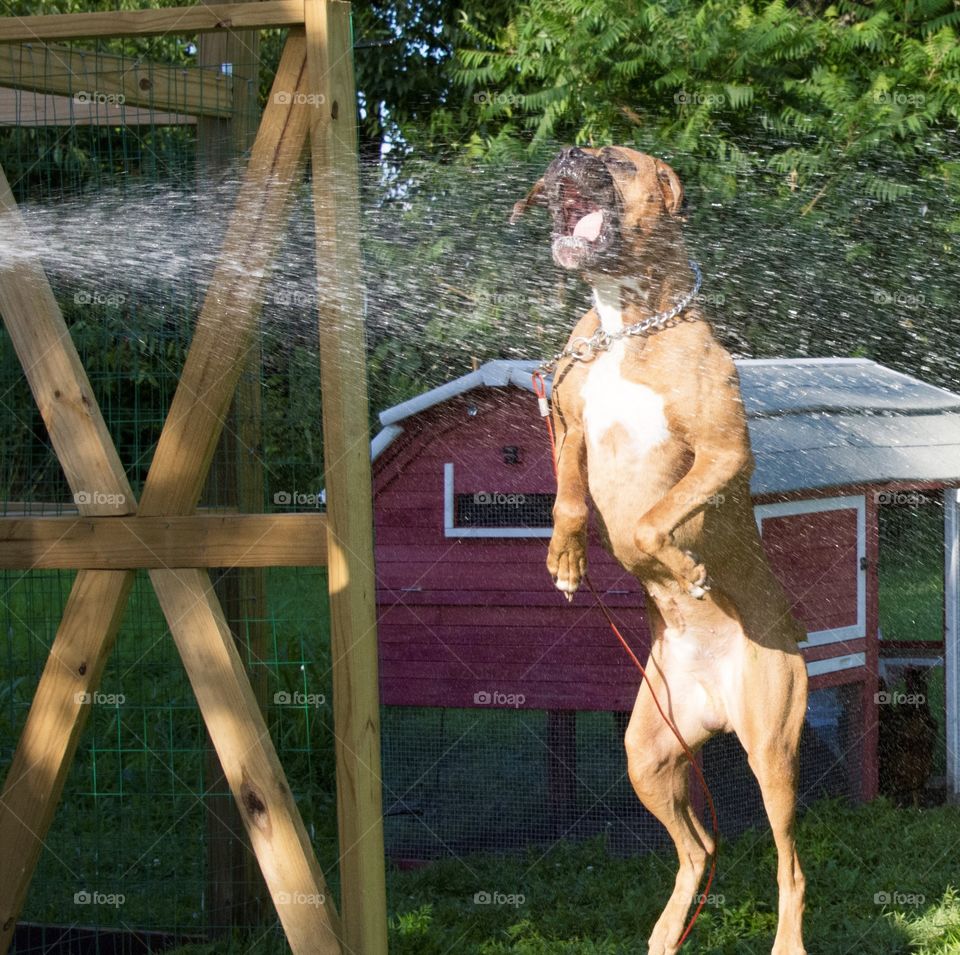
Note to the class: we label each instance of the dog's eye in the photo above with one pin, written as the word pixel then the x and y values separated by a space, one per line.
pixel 614 161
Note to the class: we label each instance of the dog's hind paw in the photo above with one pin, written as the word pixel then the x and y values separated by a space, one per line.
pixel 698 584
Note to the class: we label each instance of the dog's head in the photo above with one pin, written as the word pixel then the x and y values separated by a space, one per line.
pixel 611 207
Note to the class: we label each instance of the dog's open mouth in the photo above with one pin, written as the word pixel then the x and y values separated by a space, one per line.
pixel 583 222
pixel 582 217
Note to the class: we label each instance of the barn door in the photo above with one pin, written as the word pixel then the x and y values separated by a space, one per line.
pixel 817 548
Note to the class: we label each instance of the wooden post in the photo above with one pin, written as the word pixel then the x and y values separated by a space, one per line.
pixel 346 446
pixel 561 769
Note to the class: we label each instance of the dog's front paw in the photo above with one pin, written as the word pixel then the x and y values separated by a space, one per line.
pixel 567 562
pixel 685 566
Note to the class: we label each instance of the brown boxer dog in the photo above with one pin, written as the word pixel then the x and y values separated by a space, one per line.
pixel 651 428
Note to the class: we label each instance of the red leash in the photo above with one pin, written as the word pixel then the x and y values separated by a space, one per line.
pixel 540 389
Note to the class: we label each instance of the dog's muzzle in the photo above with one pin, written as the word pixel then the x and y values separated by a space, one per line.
pixel 585 207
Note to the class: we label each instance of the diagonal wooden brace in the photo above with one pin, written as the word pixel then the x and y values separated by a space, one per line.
pixel 227 324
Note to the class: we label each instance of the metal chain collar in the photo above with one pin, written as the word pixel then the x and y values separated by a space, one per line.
pixel 583 349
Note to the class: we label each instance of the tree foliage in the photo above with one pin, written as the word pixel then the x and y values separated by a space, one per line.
pixel 817 142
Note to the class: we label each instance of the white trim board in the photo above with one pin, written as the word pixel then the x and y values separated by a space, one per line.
pixel 449 512
pixel 951 537
pixel 834 664
pixel 855 502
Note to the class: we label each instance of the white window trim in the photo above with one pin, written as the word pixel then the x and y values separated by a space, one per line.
pixel 449 511
pixel 855 502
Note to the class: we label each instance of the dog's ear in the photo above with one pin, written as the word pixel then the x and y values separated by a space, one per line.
pixel 672 189
pixel 534 197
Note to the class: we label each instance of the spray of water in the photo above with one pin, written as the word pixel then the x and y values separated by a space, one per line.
pixel 447 282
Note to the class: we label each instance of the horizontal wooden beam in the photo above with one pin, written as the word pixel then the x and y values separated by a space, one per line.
pixel 104 80
pixel 202 18
pixel 26 108
pixel 197 540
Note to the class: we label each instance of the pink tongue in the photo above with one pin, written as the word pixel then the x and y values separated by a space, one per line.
pixel 589 226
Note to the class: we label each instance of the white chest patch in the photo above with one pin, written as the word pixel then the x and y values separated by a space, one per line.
pixel 610 401
pixel 608 301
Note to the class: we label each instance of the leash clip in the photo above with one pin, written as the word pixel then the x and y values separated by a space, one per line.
pixel 581 349
pixel 540 390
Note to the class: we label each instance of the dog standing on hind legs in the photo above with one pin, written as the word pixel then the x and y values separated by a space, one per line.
pixel 651 428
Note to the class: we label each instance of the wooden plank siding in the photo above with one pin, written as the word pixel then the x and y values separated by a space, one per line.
pixel 464 618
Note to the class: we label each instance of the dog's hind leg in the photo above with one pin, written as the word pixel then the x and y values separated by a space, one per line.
pixel 659 772
pixel 772 739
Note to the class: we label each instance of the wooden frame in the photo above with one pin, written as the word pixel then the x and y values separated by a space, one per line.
pixel 94 76
pixel 203 18
pixel 316 60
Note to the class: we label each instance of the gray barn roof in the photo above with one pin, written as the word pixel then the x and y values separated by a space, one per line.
pixel 814 422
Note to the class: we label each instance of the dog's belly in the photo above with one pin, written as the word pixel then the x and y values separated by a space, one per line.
pixel 632 459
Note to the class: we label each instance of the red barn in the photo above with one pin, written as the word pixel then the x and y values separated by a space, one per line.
pixel 469 617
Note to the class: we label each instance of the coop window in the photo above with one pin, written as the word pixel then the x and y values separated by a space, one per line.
pixel 495 513
pixel 495 509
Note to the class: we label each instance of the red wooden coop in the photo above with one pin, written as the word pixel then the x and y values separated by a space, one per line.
pixel 469 620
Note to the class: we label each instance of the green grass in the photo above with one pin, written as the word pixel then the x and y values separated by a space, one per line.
pixel 576 900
